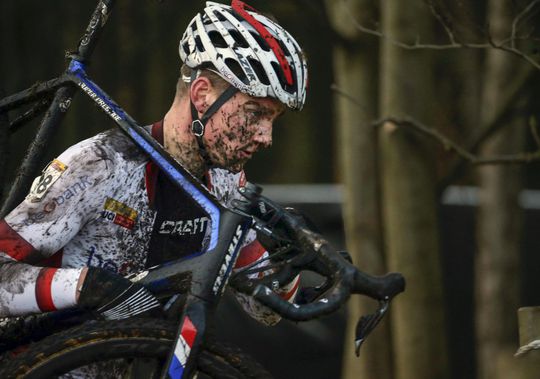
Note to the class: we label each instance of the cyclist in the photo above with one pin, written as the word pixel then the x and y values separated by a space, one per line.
pixel 102 210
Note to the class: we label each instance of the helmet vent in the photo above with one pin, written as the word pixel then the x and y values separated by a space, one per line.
pixel 279 72
pixel 185 46
pixel 239 39
pixel 220 16
pixel 284 49
pixel 217 39
pixel 199 44
pixel 259 71
pixel 234 66
pixel 262 43
pixel 237 16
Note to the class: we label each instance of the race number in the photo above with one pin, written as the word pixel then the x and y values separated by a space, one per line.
pixel 49 175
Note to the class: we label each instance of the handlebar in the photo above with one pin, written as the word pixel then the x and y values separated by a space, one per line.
pixel 317 255
pixel 346 279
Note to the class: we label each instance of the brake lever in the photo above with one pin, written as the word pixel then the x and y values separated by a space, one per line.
pixel 263 212
pixel 367 323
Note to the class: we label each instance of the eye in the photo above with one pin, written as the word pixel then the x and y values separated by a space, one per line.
pixel 256 113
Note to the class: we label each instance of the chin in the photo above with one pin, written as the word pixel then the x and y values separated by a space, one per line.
pixel 235 167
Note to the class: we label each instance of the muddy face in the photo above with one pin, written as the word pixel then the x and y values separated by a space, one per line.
pixel 239 129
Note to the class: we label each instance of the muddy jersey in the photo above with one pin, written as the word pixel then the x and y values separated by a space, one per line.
pixel 102 203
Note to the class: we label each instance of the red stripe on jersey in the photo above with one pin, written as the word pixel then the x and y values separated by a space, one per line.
pixel 15 246
pixel 152 170
pixel 288 295
pixel 150 179
pixel 54 260
pixel 189 331
pixel 242 181
pixel 208 177
pixel 43 290
pixel 157 131
pixel 249 254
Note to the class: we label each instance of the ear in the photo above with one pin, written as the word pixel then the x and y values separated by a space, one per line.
pixel 201 93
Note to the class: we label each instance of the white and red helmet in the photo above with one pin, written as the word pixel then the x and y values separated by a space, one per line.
pixel 248 50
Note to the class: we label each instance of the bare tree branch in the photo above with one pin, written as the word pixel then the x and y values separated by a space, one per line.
pixel 511 94
pixel 346 95
pixel 518 18
pixel 497 121
pixel 518 158
pixel 440 18
pixel 447 143
pixel 507 44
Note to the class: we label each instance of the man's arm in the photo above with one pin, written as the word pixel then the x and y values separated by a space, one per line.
pixel 60 202
pixel 250 254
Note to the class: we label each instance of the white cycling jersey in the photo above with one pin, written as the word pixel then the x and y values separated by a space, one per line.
pixel 103 203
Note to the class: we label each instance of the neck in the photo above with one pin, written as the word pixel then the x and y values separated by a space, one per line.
pixel 178 139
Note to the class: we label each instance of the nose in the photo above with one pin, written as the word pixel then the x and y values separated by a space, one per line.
pixel 264 134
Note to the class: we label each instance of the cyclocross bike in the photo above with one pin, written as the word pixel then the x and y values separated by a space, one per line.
pixel 178 345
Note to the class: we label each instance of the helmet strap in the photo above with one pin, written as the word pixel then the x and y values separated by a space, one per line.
pixel 198 125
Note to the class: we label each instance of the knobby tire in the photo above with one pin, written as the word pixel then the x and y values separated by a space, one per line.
pixel 148 340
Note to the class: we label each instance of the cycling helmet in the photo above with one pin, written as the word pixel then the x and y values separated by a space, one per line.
pixel 250 51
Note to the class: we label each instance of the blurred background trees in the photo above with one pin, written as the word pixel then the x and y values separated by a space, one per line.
pixel 380 71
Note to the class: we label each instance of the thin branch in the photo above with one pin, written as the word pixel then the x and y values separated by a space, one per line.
pixel 447 143
pixel 453 43
pixel 518 158
pixel 518 53
pixel 441 20
pixel 334 87
pixel 417 45
pixel 518 19
pixel 494 123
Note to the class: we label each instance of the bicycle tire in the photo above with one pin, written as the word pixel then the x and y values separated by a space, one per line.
pixel 101 341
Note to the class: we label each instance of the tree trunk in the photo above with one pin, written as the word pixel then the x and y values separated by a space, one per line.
pixel 499 216
pixel 355 73
pixel 409 203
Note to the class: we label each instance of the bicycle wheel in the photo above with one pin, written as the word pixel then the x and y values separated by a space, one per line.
pixel 121 349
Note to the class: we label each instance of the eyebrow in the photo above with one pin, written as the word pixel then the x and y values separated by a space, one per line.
pixel 280 110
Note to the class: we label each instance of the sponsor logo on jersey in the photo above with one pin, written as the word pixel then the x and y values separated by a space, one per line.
pixel 50 206
pixel 184 227
pixel 119 213
pixel 41 184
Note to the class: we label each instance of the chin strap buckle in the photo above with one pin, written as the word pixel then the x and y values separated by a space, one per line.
pixel 197 127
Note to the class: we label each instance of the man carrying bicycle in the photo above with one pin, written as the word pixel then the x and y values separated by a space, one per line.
pixel 102 210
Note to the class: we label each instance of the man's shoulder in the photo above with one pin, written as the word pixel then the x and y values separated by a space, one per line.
pixel 225 178
pixel 224 184
pixel 110 147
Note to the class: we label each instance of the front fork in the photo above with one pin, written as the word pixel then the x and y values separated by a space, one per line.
pixel 182 360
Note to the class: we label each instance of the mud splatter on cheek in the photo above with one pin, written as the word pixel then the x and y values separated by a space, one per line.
pixel 232 130
pixel 239 127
